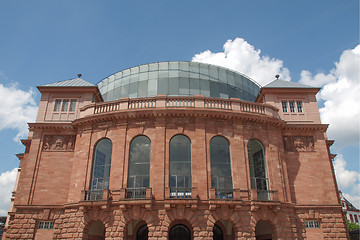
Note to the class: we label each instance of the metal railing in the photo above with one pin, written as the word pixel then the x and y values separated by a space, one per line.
pixel 266 195
pixel 135 193
pixel 180 192
pixel 224 193
pixel 94 195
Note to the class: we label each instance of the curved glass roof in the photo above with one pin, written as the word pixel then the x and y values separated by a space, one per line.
pixel 178 79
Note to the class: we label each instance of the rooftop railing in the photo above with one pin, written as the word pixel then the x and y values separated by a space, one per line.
pixel 162 101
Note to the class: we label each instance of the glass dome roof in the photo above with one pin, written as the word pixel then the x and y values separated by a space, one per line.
pixel 178 79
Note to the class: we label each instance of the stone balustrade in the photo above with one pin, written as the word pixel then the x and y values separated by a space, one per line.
pixel 168 102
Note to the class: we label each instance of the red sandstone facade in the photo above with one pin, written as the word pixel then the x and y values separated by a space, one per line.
pixel 56 168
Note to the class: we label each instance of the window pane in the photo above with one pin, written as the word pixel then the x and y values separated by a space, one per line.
pixel 220 163
pixel 292 106
pixel 65 105
pixel 299 106
pixel 180 161
pixel 57 105
pixel 284 106
pixel 72 105
pixel 101 165
pixel 139 161
pixel 257 165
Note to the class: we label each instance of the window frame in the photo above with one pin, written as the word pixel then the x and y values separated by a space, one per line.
pixel 48 225
pixel 59 107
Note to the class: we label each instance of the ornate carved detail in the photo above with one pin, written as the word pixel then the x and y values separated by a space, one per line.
pixel 44 215
pixel 59 143
pixel 299 144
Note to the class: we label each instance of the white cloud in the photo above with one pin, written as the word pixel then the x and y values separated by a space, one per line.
pixel 7 181
pixel 340 92
pixel 345 178
pixel 18 107
pixel 239 55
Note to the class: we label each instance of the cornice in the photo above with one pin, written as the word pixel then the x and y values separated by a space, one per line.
pixel 51 125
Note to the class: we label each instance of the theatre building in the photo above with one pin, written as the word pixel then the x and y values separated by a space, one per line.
pixel 176 150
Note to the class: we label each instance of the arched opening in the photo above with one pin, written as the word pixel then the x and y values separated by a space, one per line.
pixel 223 230
pixel 139 167
pixel 96 231
pixel 179 232
pixel 263 231
pixel 180 181
pixel 258 172
pixel 142 233
pixel 217 233
pixel 221 177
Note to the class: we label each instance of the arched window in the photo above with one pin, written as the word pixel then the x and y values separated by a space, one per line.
pixel 221 178
pixel 180 167
pixel 101 169
pixel 139 167
pixel 257 165
pixel 179 232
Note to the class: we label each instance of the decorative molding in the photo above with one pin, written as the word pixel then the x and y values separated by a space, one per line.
pixel 59 143
pixel 299 143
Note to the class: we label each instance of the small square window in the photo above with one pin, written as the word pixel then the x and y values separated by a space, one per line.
pixel 312 224
pixel 299 106
pixel 46 225
pixel 292 106
pixel 284 106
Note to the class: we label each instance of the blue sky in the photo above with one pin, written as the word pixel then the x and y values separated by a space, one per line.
pixel 47 41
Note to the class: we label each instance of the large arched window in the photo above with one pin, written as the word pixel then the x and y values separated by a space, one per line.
pixel 257 165
pixel 139 167
pixel 180 167
pixel 221 178
pixel 101 169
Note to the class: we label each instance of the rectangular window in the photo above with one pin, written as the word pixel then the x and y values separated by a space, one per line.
pixel 46 225
pixel 351 218
pixel 292 106
pixel 72 105
pixel 65 105
pixel 356 218
pixel 299 106
pixel 284 106
pixel 312 224
pixel 57 105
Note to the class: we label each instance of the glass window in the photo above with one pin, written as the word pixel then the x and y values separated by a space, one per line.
pixel 205 88
pixel 292 106
pixel 72 105
pixel 222 75
pixel 194 86
pixel 221 178
pixel 299 106
pixel 143 89
pixel 139 162
pixel 57 105
pixel 101 165
pixel 173 86
pixel 184 86
pixel 257 166
pixel 162 86
pixel 133 91
pixel 284 106
pixel 214 89
pixel 65 105
pixel 180 181
pixel 46 225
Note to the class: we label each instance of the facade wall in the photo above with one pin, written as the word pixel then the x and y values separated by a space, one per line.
pixel 56 172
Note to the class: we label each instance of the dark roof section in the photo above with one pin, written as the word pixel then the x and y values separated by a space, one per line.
pixel 286 84
pixel 350 206
pixel 75 82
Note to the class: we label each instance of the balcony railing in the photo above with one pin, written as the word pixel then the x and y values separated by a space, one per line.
pixel 136 193
pixel 224 193
pixel 162 101
pixel 95 195
pixel 180 192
